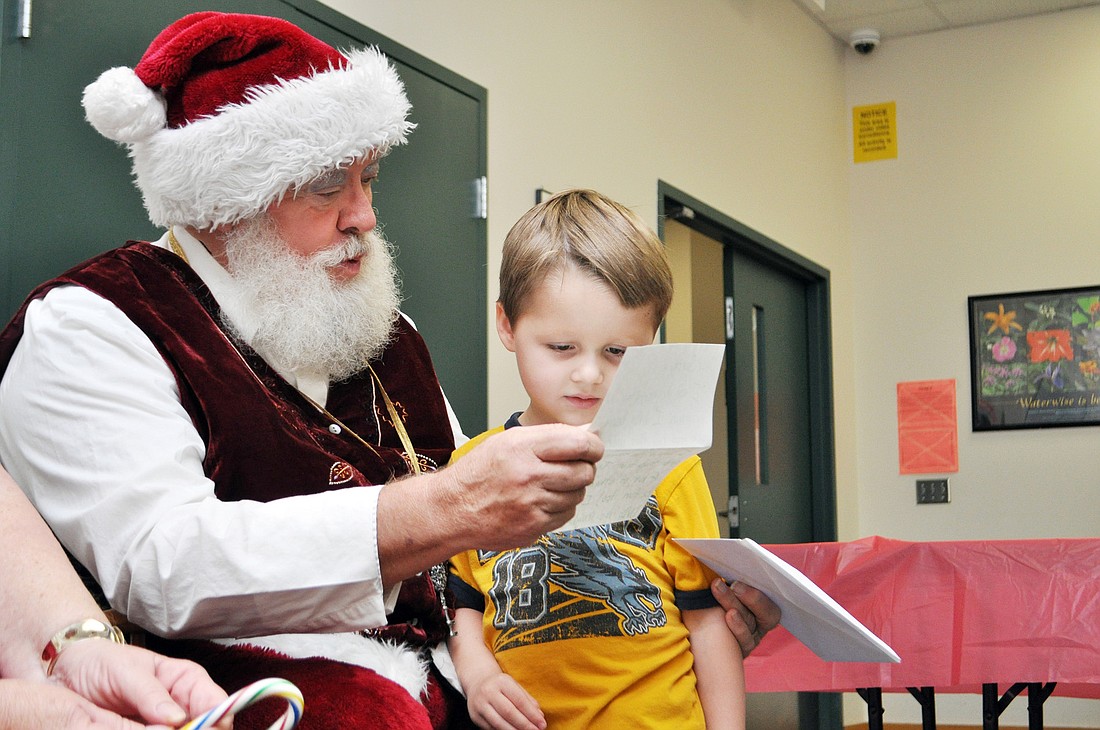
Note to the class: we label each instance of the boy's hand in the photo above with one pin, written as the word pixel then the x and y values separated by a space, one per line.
pixel 499 703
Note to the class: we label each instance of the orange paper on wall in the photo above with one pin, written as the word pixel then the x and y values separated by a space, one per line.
pixel 928 438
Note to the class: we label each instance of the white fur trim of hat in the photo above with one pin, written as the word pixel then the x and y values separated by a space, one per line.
pixel 227 166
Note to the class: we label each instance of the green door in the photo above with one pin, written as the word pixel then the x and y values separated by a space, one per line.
pixel 773 481
pixel 772 440
pixel 66 193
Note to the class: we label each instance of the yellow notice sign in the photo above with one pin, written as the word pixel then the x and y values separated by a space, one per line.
pixel 875 132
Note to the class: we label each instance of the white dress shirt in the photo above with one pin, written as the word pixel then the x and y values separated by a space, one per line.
pixel 92 428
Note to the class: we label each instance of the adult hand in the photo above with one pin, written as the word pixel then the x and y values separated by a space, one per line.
pixel 504 493
pixel 749 613
pixel 30 705
pixel 524 482
pixel 135 682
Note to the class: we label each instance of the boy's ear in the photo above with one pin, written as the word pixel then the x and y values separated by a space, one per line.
pixel 504 329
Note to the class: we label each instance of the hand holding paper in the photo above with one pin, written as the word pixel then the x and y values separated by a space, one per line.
pixel 809 613
pixel 657 412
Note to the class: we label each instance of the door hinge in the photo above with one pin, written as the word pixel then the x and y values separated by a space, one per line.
pixel 479 188
pixel 729 318
pixel 24 22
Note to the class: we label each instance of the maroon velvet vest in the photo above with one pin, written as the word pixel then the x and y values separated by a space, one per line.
pixel 264 440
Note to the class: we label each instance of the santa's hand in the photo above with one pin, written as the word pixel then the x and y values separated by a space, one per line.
pixel 524 482
pixel 750 614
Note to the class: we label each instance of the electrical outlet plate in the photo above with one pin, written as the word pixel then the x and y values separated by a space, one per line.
pixel 932 491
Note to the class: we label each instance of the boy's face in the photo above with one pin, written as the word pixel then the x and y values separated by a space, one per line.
pixel 569 342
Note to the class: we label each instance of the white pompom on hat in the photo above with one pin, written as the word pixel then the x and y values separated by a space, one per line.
pixel 226 113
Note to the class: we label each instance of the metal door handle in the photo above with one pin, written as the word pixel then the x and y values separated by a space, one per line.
pixel 732 512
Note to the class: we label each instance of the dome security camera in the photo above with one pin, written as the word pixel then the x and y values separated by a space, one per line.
pixel 864 40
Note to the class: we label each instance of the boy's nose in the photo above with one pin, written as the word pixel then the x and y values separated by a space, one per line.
pixel 588 371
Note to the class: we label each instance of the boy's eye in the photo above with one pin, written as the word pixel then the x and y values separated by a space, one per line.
pixel 616 351
pixel 559 348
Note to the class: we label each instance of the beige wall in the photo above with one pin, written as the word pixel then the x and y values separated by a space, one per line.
pixel 745 105
pixel 994 190
pixel 618 94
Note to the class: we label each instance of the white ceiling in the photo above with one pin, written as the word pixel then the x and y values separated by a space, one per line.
pixel 898 18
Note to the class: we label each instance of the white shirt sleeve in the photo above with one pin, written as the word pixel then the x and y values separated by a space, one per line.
pixel 456 429
pixel 92 428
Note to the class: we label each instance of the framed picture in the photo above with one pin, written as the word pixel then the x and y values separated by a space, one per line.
pixel 1035 359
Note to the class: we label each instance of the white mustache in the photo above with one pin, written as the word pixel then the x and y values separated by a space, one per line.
pixel 353 247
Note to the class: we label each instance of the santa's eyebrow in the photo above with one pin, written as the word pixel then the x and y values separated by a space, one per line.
pixel 331 179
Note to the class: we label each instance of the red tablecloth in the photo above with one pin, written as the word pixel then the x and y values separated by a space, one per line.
pixel 960 614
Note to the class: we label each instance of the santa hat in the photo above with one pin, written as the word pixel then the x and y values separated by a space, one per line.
pixel 226 113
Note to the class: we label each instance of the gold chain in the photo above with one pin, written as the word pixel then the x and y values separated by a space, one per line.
pixel 398 425
pixel 177 249
pixel 340 423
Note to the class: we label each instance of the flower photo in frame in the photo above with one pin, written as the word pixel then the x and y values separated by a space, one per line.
pixel 1034 359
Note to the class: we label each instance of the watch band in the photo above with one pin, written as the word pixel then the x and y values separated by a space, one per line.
pixel 89 628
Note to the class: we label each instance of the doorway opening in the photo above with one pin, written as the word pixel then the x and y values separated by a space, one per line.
pixel 771 470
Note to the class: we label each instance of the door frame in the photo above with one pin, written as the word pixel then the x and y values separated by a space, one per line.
pixel 672 203
pixel 735 236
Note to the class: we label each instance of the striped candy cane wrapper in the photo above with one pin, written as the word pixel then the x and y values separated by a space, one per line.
pixel 250 695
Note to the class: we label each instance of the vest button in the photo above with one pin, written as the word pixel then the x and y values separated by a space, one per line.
pixel 334 428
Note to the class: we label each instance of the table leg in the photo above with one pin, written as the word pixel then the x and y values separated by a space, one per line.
pixel 992 706
pixel 1037 694
pixel 926 696
pixel 873 697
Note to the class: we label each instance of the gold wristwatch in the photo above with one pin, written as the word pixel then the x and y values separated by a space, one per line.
pixel 89 628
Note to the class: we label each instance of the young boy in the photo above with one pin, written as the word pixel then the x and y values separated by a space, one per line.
pixel 602 627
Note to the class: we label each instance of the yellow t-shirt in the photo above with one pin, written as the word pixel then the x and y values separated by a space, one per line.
pixel 588 621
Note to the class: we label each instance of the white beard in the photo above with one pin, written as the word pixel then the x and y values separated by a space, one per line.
pixel 303 319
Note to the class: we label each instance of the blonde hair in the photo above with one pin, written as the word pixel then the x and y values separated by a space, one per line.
pixel 599 236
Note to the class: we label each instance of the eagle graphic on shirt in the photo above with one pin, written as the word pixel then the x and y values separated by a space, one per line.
pixel 576 584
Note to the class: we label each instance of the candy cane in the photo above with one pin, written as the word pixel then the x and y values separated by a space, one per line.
pixel 250 695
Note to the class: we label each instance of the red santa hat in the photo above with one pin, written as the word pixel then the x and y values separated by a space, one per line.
pixel 226 113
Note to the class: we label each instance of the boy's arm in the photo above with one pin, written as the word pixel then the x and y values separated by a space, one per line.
pixel 494 699
pixel 719 673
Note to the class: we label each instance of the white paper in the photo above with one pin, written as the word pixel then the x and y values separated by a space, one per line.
pixel 809 613
pixel 657 412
